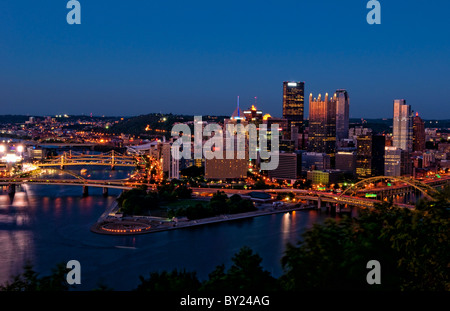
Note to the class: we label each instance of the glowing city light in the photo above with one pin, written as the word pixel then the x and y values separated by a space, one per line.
pixel 11 158
pixel 20 148
pixel 266 116
pixel 2 148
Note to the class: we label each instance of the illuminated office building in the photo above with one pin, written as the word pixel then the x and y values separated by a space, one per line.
pixel 253 115
pixel 322 124
pixel 402 126
pixel 397 162
pixel 346 162
pixel 293 105
pixel 315 161
pixel 418 133
pixel 235 167
pixel 392 161
pixel 370 156
pixel 289 167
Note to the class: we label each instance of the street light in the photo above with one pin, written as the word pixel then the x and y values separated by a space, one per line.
pixel 20 149
pixel 2 148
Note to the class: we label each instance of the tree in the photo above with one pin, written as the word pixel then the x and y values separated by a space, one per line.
pixel 411 245
pixel 138 201
pixel 246 274
pixel 178 281
pixel 260 184
pixel 29 280
pixel 302 184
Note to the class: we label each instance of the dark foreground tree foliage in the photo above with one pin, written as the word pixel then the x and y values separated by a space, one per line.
pixel 245 274
pixel 30 280
pixel 412 246
pixel 169 281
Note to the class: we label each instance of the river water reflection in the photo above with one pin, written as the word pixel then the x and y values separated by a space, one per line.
pixel 46 225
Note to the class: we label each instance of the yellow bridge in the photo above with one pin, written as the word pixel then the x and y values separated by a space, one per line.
pixel 111 159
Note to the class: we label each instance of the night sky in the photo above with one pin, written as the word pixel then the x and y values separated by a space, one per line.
pixel 195 57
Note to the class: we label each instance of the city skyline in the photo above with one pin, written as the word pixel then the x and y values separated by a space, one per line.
pixel 184 58
pixel 168 148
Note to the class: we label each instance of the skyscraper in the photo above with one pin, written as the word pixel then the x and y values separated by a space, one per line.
pixel 392 161
pixel 342 114
pixel 370 156
pixel 253 115
pixel 346 161
pixel 289 167
pixel 235 167
pixel 294 104
pixel 322 124
pixel 402 126
pixel 418 134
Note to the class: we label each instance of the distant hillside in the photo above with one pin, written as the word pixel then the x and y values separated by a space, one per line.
pixel 13 119
pixel 155 124
pixel 384 126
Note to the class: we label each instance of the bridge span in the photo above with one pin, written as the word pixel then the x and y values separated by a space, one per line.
pixel 121 184
pixel 111 159
pixel 331 200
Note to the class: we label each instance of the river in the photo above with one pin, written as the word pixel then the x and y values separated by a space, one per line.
pixel 46 225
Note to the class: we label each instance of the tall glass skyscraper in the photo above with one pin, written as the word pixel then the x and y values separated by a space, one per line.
pixel 322 124
pixel 294 104
pixel 402 126
pixel 342 114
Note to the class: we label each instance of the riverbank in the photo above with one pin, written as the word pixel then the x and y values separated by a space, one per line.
pixel 112 225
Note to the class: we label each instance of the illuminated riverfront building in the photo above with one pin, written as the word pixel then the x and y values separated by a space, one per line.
pixel 322 124
pixel 293 106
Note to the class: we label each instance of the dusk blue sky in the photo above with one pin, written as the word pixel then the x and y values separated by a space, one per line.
pixel 195 57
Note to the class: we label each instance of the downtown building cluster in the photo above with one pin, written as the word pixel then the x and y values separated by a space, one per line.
pixel 324 148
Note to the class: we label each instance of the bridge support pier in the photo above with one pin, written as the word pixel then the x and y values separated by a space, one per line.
pixel 85 191
pixel 319 203
pixel 338 208
pixel 105 192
